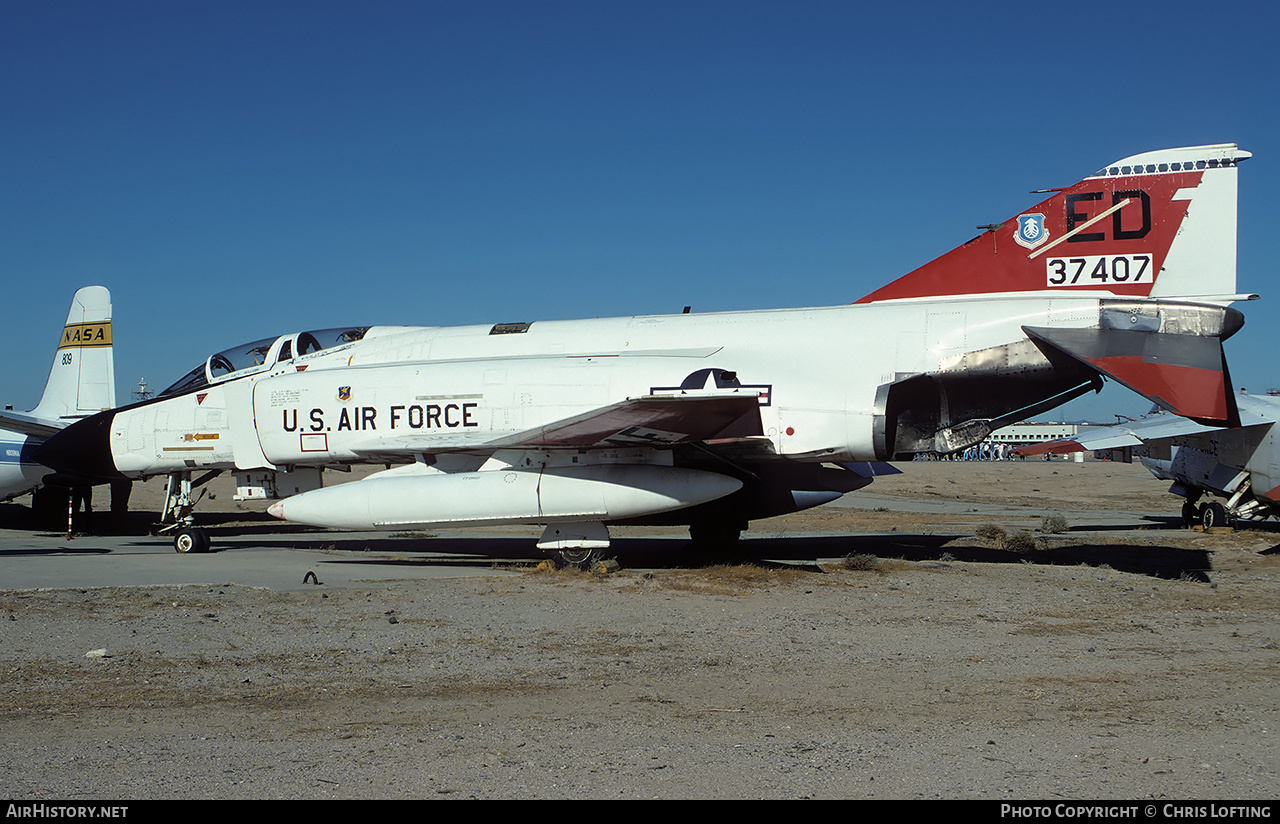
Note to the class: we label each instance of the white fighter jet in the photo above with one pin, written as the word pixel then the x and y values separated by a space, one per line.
pixel 1240 465
pixel 714 420
pixel 81 383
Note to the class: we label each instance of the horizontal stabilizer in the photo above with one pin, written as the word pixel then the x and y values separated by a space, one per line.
pixel 28 425
pixel 1185 374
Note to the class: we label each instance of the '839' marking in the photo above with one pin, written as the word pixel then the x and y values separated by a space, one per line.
pixel 1098 270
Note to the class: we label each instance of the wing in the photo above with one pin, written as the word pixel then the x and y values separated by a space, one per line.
pixel 655 421
pixel 28 425
pixel 1137 433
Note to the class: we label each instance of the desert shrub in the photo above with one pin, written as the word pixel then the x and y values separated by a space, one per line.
pixel 991 534
pixel 1053 523
pixel 1020 541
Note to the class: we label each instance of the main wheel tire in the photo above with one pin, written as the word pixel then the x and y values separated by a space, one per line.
pixel 581 558
pixel 1213 514
pixel 1191 514
pixel 191 540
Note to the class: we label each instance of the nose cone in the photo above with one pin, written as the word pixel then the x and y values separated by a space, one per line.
pixel 276 510
pixel 82 449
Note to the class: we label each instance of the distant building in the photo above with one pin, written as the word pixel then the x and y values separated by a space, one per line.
pixel 999 445
pixel 1030 432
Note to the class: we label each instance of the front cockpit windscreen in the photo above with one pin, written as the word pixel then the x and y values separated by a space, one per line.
pixel 253 356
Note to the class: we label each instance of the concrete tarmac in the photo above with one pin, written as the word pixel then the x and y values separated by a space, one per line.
pixel 282 557
pixel 280 561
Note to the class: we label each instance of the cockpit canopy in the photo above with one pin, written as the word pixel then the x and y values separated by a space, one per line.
pixel 262 355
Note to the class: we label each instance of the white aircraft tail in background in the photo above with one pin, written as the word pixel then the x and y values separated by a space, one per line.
pixel 81 383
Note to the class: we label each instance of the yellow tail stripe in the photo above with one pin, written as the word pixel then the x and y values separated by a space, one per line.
pixel 86 335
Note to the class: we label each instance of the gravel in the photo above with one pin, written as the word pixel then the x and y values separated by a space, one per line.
pixel 932 669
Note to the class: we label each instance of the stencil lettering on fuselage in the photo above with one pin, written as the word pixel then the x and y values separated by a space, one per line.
pixel 397 417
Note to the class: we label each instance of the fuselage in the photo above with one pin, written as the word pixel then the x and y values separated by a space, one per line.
pixel 820 374
pixel 18 473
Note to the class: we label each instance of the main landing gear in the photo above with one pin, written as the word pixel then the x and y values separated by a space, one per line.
pixel 1209 515
pixel 178 507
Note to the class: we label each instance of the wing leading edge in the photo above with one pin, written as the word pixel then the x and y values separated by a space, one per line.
pixel 654 421
pixel 1161 427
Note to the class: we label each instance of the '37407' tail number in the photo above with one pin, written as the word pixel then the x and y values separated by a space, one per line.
pixel 1098 270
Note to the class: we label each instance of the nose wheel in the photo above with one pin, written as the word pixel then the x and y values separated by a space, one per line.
pixel 191 539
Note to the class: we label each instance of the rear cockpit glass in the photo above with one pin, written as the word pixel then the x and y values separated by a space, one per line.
pixel 240 357
pixel 322 339
pixel 253 356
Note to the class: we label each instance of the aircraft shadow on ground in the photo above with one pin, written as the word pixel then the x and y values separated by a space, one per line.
pixel 43 552
pixel 805 553
pixel 1155 561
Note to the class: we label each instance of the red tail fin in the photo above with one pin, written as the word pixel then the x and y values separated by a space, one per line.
pixel 1128 229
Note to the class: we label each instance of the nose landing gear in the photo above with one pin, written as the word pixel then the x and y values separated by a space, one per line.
pixel 178 507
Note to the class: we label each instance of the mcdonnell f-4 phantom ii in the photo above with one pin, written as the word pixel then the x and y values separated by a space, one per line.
pixel 713 420
pixel 81 383
pixel 1240 465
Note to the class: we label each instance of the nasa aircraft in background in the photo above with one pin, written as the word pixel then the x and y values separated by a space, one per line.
pixel 714 420
pixel 81 383
pixel 1241 465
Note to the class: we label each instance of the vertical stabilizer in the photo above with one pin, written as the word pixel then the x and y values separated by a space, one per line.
pixel 1159 224
pixel 82 378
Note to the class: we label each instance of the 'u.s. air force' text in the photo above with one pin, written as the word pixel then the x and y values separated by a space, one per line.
pixel 367 418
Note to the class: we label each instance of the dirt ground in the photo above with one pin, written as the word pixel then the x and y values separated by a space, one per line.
pixel 936 657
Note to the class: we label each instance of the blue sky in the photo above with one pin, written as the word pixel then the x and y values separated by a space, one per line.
pixel 234 170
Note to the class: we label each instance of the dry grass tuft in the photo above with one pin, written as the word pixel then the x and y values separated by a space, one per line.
pixel 862 563
pixel 996 537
